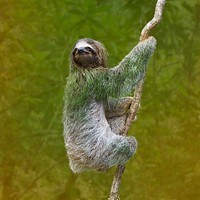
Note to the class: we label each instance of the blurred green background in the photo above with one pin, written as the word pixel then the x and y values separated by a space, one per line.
pixel 36 37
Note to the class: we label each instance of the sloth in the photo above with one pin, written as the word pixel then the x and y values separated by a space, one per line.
pixel 96 104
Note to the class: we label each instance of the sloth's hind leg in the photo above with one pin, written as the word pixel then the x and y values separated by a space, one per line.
pixel 118 150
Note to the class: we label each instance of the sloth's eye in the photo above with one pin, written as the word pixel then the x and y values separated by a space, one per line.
pixel 74 51
pixel 90 50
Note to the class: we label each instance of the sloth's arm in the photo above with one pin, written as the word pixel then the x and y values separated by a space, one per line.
pixel 127 74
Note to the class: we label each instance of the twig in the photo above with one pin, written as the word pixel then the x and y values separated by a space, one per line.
pixel 114 193
pixel 156 19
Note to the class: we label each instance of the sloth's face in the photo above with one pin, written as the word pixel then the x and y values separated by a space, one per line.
pixel 86 54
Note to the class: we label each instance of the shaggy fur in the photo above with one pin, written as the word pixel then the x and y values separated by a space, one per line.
pixel 94 111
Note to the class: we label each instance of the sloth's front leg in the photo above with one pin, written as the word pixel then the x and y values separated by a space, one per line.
pixel 116 112
pixel 118 107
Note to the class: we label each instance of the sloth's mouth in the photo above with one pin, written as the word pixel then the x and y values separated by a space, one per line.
pixel 83 54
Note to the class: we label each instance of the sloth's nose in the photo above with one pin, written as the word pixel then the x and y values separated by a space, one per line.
pixel 81 50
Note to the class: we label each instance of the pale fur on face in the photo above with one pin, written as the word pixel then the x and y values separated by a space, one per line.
pixel 82 44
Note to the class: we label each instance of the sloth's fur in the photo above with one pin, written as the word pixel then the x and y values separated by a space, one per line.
pixel 94 110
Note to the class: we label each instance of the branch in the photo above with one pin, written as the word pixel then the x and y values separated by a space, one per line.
pixel 156 19
pixel 114 193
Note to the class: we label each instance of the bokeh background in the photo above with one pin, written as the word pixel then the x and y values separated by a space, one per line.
pixel 36 37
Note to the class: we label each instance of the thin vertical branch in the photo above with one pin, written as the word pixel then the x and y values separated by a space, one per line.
pixel 114 193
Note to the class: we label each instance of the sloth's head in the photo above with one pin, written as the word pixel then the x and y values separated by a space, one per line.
pixel 88 53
